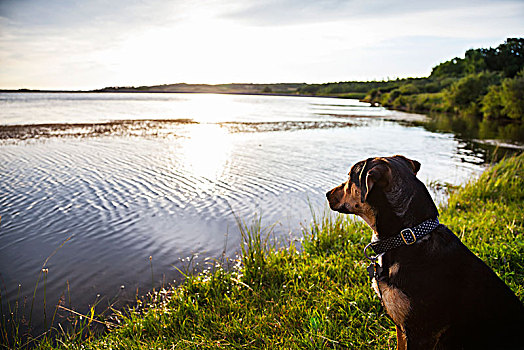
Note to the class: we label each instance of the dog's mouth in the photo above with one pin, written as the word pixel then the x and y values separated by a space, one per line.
pixel 335 202
pixel 342 208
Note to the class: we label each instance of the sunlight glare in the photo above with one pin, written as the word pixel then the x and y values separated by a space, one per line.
pixel 206 151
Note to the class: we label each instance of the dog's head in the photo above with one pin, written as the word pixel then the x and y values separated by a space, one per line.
pixel 380 184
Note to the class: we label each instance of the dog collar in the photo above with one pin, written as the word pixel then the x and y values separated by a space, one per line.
pixel 407 236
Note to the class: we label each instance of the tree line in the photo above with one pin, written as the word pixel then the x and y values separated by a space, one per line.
pixel 486 82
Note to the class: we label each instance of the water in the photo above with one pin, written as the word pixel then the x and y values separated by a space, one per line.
pixel 129 176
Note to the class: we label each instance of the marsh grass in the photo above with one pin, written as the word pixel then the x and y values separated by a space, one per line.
pixel 16 318
pixel 310 295
pixel 15 329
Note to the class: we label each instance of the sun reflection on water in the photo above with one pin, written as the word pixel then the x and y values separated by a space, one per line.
pixel 206 151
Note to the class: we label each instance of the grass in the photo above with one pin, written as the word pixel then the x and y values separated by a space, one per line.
pixel 311 295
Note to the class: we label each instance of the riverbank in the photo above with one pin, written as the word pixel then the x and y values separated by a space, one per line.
pixel 315 297
pixel 487 83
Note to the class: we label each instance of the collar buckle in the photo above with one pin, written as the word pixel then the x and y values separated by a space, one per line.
pixel 408 236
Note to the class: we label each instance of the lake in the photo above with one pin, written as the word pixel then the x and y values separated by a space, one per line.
pixel 129 176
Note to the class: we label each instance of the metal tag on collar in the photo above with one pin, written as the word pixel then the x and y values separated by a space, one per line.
pixel 408 236
pixel 371 270
pixel 374 270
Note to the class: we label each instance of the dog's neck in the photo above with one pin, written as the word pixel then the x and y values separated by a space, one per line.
pixel 389 222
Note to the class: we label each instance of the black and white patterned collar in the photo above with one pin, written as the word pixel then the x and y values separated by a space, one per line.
pixel 406 236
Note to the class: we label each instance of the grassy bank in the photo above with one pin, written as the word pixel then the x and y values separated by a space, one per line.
pixel 316 297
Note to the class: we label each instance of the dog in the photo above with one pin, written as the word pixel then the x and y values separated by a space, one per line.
pixel 437 292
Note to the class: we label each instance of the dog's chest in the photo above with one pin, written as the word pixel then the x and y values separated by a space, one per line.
pixel 395 301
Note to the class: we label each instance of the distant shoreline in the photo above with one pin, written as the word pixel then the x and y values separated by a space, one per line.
pixel 276 89
pixel 243 88
pixel 160 92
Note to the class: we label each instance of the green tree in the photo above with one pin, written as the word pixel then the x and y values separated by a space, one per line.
pixel 512 97
pixel 492 103
pixel 467 92
pixel 475 61
pixel 454 67
pixel 409 89
pixel 507 57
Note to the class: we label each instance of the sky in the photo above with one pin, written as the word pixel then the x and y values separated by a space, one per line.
pixel 91 44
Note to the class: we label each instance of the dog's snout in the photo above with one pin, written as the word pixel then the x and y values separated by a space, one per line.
pixel 331 195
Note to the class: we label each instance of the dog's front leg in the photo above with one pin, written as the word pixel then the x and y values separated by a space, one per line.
pixel 401 339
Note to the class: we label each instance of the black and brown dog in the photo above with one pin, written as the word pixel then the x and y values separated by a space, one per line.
pixel 437 292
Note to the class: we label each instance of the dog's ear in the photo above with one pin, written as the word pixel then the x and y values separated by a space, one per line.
pixel 372 173
pixel 415 166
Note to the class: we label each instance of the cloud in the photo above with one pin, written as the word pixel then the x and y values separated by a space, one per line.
pixel 96 43
pixel 77 13
pixel 291 12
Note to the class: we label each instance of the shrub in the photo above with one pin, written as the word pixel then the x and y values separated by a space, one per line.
pixel 505 100
pixel 469 90
pixel 512 97
pixel 409 89
pixel 492 103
